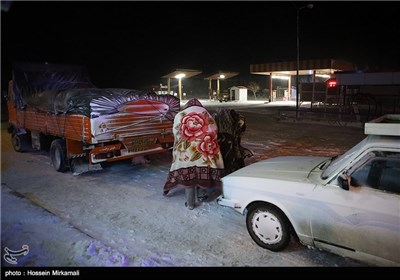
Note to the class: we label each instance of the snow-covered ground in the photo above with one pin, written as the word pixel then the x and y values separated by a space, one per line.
pixel 119 217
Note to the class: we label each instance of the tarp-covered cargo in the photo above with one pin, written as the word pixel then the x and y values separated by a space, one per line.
pixel 91 102
pixel 66 89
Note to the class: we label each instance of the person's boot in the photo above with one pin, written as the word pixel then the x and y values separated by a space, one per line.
pixel 190 198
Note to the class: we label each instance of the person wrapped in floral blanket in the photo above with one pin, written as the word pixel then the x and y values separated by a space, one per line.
pixel 197 162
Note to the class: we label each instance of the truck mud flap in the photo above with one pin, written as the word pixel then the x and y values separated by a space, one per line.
pixel 81 165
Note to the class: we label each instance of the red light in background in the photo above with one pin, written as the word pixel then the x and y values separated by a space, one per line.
pixel 332 83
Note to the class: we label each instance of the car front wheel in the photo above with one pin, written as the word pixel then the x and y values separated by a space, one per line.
pixel 268 227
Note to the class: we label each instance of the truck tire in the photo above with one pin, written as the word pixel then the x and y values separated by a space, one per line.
pixel 58 155
pixel 21 142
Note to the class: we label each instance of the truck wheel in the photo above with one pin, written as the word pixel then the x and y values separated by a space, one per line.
pixel 21 143
pixel 58 155
pixel 268 227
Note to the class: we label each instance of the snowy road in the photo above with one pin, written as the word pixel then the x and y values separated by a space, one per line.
pixel 119 217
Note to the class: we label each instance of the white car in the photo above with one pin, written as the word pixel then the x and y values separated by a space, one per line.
pixel 348 205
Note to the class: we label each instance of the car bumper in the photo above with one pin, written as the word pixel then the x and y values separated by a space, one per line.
pixel 229 203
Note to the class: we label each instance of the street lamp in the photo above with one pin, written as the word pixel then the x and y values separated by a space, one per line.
pixel 298 9
pixel 179 77
pixel 222 76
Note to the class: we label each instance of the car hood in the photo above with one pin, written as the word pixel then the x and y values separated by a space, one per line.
pixel 293 168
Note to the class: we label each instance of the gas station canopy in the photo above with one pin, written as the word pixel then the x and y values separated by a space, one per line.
pixel 187 73
pixel 287 69
pixel 221 75
pixel 179 74
pixel 306 67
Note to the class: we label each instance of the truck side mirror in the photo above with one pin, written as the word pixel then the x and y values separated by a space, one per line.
pixel 343 182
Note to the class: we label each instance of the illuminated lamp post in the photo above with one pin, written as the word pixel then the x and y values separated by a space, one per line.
pixel 309 6
pixel 218 90
pixel 179 77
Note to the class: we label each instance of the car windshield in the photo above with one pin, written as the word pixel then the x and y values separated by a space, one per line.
pixel 331 166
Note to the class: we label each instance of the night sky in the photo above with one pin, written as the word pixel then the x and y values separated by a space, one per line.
pixel 131 44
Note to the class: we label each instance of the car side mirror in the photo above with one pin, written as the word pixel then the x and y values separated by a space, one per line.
pixel 343 182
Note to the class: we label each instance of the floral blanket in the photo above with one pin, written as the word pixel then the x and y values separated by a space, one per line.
pixel 197 158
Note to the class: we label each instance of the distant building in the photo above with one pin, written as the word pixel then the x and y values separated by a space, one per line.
pixel 238 93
